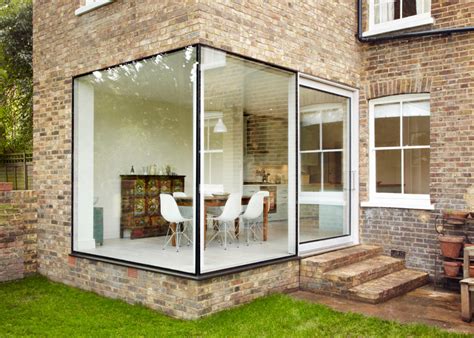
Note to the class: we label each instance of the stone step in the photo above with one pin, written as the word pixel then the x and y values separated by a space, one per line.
pixel 336 259
pixel 388 286
pixel 352 275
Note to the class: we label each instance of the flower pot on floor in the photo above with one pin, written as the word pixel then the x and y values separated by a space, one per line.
pixel 451 269
pixel 451 245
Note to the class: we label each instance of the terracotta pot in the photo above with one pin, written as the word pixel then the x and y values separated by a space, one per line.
pixel 455 217
pixel 452 268
pixel 451 245
pixel 6 186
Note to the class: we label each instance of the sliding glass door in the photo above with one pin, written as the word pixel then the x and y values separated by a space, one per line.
pixel 325 171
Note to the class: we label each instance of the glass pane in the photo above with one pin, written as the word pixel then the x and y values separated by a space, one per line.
pixel 417 171
pixel 319 221
pixel 310 172
pixel 416 123
pixel 332 135
pixel 387 125
pixel 251 102
pixel 324 194
pixel 310 138
pixel 333 179
pixel 376 12
pixel 134 142
pixel 389 171
pixel 412 7
pixel 389 10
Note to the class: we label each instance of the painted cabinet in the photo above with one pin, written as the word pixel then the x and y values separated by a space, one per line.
pixel 140 204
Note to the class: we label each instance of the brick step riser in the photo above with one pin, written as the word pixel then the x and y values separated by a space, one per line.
pixel 345 284
pixel 337 263
pixel 391 293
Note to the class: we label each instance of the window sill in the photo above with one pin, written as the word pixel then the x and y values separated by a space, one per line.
pixel 90 7
pixel 400 24
pixel 398 204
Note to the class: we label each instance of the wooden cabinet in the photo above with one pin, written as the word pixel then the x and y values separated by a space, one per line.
pixel 140 215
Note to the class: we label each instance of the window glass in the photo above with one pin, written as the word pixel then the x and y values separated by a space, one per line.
pixel 311 172
pixel 416 171
pixel 388 171
pixel 387 125
pixel 310 138
pixel 133 141
pixel 333 171
pixel 416 123
pixel 389 10
pixel 252 103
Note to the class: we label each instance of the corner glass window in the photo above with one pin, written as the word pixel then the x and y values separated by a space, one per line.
pixel 186 162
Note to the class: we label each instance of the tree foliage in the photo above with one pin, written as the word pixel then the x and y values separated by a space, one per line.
pixel 16 73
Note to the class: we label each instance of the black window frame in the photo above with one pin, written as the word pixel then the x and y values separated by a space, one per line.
pixel 197 275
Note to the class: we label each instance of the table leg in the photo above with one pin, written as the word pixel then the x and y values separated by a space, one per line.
pixel 173 239
pixel 265 219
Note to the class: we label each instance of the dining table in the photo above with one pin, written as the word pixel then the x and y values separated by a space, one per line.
pixel 212 201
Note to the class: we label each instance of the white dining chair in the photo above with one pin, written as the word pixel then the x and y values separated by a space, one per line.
pixel 226 220
pixel 252 214
pixel 170 212
pixel 178 194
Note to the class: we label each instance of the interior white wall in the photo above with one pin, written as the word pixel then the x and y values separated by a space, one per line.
pixel 139 132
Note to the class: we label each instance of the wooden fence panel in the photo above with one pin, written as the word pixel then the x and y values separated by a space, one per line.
pixel 17 169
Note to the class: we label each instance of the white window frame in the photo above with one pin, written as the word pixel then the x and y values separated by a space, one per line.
pixel 393 200
pixel 91 5
pixel 398 24
pixel 353 94
pixel 208 118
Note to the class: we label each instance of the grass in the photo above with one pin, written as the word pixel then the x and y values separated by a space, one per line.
pixel 39 307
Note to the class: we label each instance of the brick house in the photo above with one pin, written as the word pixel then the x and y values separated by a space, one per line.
pixel 358 127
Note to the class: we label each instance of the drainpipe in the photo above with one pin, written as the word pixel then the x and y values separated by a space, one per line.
pixel 440 32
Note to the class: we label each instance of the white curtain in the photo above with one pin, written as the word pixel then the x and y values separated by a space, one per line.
pixel 387 10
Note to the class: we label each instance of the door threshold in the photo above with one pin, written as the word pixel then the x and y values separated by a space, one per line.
pixel 315 252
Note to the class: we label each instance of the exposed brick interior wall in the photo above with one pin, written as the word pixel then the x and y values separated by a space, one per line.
pixel 17 234
pixel 443 67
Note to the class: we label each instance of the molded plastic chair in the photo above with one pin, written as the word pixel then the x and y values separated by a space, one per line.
pixel 252 214
pixel 178 194
pixel 170 212
pixel 226 220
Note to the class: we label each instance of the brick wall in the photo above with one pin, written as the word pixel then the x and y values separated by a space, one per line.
pixel 17 234
pixel 176 296
pixel 443 67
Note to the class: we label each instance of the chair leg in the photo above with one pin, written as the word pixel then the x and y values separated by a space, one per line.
pixel 466 304
pixel 225 235
pixel 170 237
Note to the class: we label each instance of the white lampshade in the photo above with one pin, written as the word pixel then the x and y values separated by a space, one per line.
pixel 220 127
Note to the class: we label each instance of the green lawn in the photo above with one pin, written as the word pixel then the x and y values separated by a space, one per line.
pixel 36 306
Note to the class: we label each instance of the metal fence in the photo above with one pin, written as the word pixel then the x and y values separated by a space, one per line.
pixel 17 169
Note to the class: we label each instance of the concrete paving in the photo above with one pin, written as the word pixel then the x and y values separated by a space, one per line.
pixel 424 305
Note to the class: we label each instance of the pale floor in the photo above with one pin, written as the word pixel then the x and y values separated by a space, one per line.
pixel 150 251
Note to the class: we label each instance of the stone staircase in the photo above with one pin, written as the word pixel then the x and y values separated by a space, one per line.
pixel 361 272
